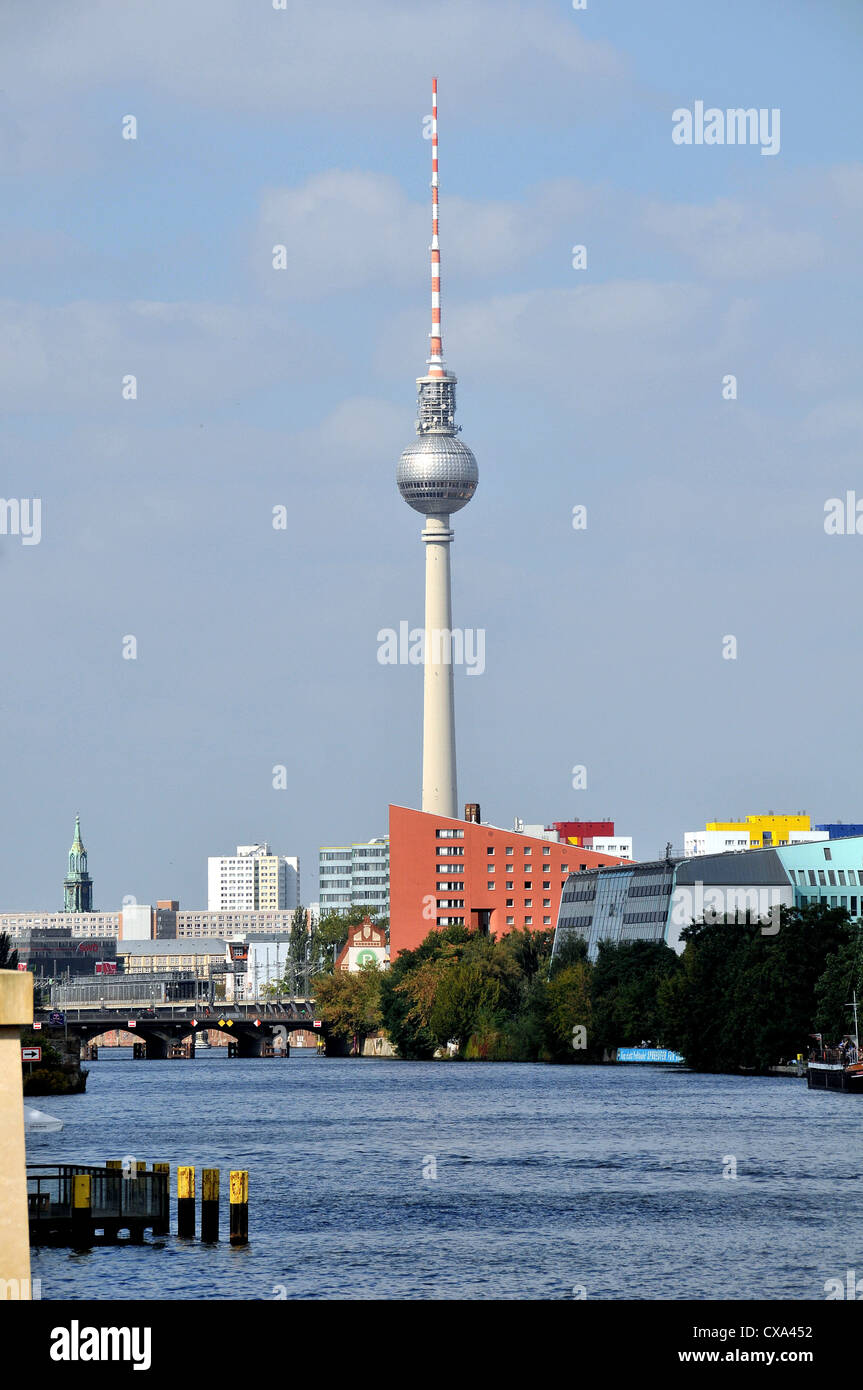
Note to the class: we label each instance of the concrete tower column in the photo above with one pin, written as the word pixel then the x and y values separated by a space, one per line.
pixel 440 792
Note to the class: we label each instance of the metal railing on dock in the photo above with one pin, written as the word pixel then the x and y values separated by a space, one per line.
pixel 69 1202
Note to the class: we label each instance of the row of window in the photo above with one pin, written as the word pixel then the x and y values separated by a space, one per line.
pixel 649 890
pixel 450 834
pixel 841 901
pixel 629 917
pixel 799 876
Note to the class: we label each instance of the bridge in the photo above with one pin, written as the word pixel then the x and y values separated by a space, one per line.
pixel 159 1027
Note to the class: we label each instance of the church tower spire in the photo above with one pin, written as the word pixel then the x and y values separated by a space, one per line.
pixel 77 885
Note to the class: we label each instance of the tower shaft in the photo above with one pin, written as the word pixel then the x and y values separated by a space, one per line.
pixel 440 791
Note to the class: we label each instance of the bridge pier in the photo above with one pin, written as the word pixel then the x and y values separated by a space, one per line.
pixel 157 1047
pixel 249 1044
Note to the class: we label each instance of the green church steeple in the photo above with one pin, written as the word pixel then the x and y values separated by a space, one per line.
pixel 77 885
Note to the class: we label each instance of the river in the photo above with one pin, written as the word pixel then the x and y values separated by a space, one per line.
pixel 401 1180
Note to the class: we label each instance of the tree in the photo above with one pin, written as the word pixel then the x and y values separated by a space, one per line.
pixel 625 983
pixel 8 955
pixel 349 1002
pixel 568 1008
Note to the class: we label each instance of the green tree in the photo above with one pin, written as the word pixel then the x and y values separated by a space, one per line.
pixel 349 1002
pixel 8 955
pixel 625 984
pixel 569 1007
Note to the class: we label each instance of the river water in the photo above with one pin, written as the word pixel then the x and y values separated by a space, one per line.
pixel 383 1179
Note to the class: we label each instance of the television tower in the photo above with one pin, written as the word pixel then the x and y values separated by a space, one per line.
pixel 437 476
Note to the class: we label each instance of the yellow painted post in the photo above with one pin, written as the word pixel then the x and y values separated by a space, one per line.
pixel 209 1204
pixel 82 1233
pixel 140 1165
pixel 186 1202
pixel 114 1163
pixel 239 1190
pixel 162 1224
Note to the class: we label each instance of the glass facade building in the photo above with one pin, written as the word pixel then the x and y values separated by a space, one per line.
pixel 355 875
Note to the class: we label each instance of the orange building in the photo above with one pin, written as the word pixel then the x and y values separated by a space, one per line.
pixel 444 871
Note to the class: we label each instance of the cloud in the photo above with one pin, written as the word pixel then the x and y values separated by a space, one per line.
pixel 733 240
pixel 344 230
pixel 76 355
pixel 230 54
pixel 593 347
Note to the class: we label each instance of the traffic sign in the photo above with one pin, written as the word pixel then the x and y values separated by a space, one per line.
pixel 130 1023
pixel 31 1054
pixel 317 1023
pixel 37 1025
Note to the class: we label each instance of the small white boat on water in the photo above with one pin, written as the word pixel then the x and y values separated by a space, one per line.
pixel 37 1122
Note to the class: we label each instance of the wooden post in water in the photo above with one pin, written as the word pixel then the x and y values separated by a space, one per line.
pixel 82 1235
pixel 114 1163
pixel 162 1225
pixel 239 1190
pixel 209 1204
pixel 186 1202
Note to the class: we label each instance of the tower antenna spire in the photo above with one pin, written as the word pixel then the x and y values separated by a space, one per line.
pixel 435 361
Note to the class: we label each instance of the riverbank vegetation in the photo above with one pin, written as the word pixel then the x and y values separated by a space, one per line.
pixel 740 997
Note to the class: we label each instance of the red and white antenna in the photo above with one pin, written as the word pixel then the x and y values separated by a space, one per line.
pixel 435 361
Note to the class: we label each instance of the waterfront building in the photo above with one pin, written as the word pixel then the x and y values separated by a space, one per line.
pixel 77 885
pixel 445 871
pixel 366 944
pixel 654 901
pixel 201 959
pixel 356 875
pixel 254 879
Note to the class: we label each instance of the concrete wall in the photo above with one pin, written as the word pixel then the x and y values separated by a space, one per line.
pixel 16 1011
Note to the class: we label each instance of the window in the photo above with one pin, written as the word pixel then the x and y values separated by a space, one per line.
pixel 546 902
pixel 853 905
pixel 852 877
pixel 841 873
pixel 450 834
pixel 528 921
pixel 546 850
pixel 509 868
pixel 489 868
pixel 510 883
pixel 528 850
pixel 528 902
pixel 828 854
pixel 510 902
pixel 508 850
pixel 821 878
pixel 811 878
pixel 831 877
pixel 490 849
pixel 510 921
pixel 528 883
pixel 547 884
pixel 546 921
pixel 564 868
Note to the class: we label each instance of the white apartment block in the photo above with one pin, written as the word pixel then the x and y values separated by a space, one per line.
pixel 233 923
pixel 253 879
pixel 698 842
pixel 77 923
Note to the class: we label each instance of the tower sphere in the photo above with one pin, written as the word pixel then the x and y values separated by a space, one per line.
pixel 437 474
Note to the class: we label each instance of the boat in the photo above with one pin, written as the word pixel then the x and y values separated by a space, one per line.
pixel 837 1068
pixel 36 1121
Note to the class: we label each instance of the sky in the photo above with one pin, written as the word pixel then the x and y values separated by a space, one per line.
pixel 258 388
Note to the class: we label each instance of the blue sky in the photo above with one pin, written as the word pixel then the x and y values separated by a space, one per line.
pixel 258 388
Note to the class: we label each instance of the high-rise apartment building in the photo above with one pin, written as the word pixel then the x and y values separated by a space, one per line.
pixel 254 879
pixel 355 876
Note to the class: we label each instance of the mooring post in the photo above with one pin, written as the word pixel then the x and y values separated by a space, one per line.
pixel 114 1163
pixel 209 1204
pixel 82 1233
pixel 186 1202
pixel 162 1223
pixel 239 1190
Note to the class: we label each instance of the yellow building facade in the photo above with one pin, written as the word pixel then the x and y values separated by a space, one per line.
pixel 765 832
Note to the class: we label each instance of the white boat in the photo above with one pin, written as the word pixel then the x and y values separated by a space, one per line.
pixel 36 1121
